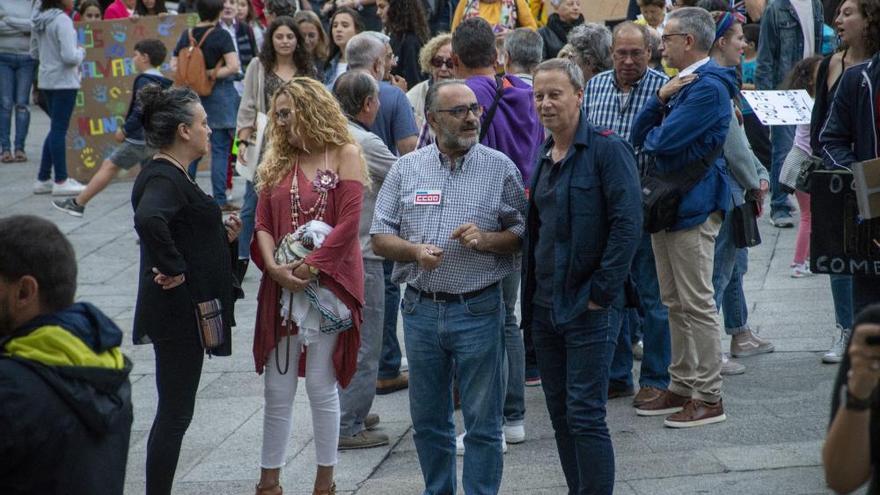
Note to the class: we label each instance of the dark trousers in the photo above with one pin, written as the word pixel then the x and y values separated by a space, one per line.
pixel 389 362
pixel 54 157
pixel 178 369
pixel 574 359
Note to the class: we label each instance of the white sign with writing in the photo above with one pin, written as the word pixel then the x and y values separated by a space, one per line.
pixel 781 107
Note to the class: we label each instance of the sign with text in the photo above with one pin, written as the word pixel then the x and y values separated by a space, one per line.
pixel 781 107
pixel 841 242
pixel 107 77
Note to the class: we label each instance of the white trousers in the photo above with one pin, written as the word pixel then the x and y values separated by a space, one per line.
pixel 323 398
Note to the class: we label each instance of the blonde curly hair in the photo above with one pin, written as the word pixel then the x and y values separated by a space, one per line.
pixel 430 49
pixel 316 118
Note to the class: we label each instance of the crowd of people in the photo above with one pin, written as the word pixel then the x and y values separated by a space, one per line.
pixel 446 163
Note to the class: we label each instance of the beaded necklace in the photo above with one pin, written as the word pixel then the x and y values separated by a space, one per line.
pixel 325 180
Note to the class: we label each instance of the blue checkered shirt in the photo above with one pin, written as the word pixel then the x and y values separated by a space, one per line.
pixel 484 188
pixel 609 108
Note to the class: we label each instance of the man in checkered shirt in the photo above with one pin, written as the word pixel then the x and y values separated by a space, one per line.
pixel 451 217
pixel 612 100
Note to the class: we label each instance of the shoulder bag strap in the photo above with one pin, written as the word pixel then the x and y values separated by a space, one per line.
pixel 499 92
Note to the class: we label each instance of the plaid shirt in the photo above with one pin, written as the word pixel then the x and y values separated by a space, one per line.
pixel 609 108
pixel 484 188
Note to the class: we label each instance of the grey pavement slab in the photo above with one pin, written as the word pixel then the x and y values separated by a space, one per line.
pixel 770 444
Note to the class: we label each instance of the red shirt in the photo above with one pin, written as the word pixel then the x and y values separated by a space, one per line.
pixel 339 260
pixel 116 10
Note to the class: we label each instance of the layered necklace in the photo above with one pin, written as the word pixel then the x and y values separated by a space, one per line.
pixel 324 181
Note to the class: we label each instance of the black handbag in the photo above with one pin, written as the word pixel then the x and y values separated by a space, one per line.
pixel 662 194
pixel 745 225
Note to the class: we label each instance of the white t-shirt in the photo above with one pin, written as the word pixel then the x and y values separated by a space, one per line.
pixel 804 9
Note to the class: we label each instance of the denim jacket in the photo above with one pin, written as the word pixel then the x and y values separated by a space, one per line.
pixel 782 42
pixel 598 227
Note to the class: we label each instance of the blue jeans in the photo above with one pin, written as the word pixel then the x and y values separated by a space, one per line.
pixel 731 263
pixel 655 325
pixel 221 145
pixel 620 376
pixel 16 77
pixel 248 215
pixel 842 295
pixel 781 140
pixel 464 337
pixel 389 363
pixel 575 359
pixel 60 102
pixel 515 355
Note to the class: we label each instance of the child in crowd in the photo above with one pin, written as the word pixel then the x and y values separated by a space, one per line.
pixel 653 14
pixel 149 55
pixel 89 10
pixel 756 132
pixel 750 55
pixel 802 76
pixel 119 9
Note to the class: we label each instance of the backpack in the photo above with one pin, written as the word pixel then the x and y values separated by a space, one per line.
pixel 191 69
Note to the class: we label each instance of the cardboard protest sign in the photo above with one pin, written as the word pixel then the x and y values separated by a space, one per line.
pixel 841 242
pixel 781 107
pixel 108 74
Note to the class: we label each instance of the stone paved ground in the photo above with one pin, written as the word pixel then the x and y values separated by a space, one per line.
pixel 770 445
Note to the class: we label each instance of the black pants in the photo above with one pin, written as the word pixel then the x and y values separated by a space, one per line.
pixel 178 369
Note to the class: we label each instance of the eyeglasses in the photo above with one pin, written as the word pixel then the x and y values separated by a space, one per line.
pixel 664 38
pixel 461 111
pixel 438 62
pixel 623 54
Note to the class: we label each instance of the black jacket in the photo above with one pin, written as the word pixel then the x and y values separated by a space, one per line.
pixel 181 231
pixel 555 34
pixel 850 132
pixel 407 46
pixel 65 406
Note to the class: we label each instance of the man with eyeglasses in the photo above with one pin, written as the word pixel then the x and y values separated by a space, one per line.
pixel 612 100
pixel 450 215
pixel 683 127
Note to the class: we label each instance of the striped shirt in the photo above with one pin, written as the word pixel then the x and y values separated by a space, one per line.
pixel 423 200
pixel 608 107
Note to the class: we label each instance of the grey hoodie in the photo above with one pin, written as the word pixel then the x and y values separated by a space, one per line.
pixel 54 44
pixel 15 26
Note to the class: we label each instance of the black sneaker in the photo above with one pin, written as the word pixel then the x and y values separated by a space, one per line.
pixel 69 206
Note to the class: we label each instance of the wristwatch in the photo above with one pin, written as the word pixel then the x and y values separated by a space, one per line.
pixel 853 403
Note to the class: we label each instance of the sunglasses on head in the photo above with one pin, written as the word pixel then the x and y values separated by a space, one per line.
pixel 438 62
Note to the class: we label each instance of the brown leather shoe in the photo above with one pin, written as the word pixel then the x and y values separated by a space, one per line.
pixel 616 393
pixel 697 413
pixel 384 387
pixel 645 395
pixel 665 403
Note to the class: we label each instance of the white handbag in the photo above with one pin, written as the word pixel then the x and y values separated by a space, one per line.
pixel 252 152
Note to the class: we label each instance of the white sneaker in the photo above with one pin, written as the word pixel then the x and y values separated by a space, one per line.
pixel 838 347
pixel 800 271
pixel 459 443
pixel 731 367
pixel 70 187
pixel 514 434
pixel 404 365
pixel 42 186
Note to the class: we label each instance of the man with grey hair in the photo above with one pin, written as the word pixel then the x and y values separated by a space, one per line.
pixel 583 228
pixel 683 128
pixel 592 48
pixel 358 95
pixel 612 100
pixel 525 50
pixel 450 215
pixel 396 126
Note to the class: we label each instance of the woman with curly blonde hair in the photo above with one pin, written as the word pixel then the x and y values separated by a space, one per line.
pixel 312 170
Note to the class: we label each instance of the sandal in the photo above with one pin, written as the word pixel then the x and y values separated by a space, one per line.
pixel 329 491
pixel 20 156
pixel 274 489
pixel 6 157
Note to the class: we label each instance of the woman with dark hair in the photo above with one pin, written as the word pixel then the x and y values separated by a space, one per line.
pixel 151 7
pixel 858 27
pixel 314 38
pixel 405 24
pixel 54 43
pixel 186 258
pixel 246 14
pixel 282 58
pixel 312 170
pixel 850 453
pixel 223 65
pixel 344 24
